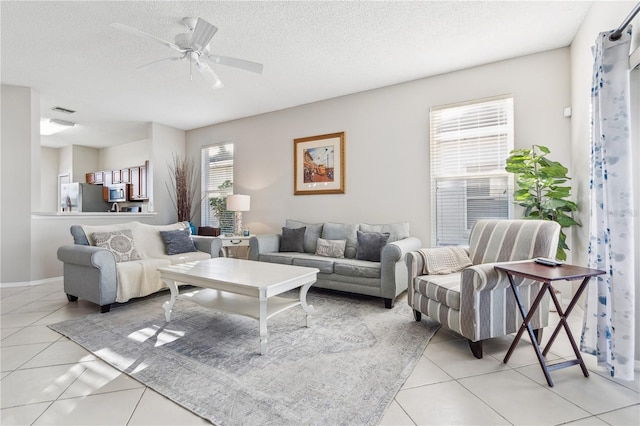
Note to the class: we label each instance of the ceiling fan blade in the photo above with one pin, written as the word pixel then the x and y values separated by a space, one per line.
pixel 202 34
pixel 211 77
pixel 235 62
pixel 147 35
pixel 173 58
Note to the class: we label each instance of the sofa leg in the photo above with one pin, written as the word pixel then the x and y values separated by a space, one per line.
pixel 388 303
pixel 71 298
pixel 417 315
pixel 105 308
pixel 476 348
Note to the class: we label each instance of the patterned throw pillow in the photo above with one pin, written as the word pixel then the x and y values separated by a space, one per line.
pixel 120 243
pixel 331 248
pixel 178 241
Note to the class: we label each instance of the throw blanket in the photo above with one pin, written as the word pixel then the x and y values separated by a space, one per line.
pixel 444 260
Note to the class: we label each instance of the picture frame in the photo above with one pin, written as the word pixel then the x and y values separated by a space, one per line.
pixel 319 164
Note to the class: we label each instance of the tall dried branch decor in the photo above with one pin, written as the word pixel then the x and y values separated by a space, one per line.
pixel 183 175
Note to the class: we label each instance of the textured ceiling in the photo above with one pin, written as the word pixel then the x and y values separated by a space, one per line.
pixel 68 52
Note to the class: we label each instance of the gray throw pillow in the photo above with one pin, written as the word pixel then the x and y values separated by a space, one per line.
pixel 370 245
pixel 292 240
pixel 311 235
pixel 178 241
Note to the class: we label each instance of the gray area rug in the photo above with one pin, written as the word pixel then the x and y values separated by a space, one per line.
pixel 345 369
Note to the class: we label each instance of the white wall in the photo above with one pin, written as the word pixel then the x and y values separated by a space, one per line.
pixel 19 141
pixel 603 16
pixel 167 141
pixel 84 160
pixel 131 154
pixel 49 160
pixel 387 137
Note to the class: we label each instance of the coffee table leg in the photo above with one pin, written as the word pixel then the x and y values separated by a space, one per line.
pixel 308 309
pixel 263 324
pixel 168 305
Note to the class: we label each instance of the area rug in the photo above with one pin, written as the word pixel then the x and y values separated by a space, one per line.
pixel 345 369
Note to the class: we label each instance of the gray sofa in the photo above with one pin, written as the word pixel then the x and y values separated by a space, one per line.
pixel 103 275
pixel 386 278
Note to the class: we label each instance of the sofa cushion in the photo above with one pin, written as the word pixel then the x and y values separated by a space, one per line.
pixel 370 245
pixel 292 240
pixel 178 241
pixel 397 231
pixel 311 234
pixel 342 231
pixel 120 243
pixel 282 258
pixel 324 264
pixel 357 268
pixel 331 248
pixel 442 288
pixel 191 256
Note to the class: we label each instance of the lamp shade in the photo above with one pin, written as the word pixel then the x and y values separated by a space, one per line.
pixel 238 203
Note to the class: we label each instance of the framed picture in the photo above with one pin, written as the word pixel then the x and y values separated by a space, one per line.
pixel 319 164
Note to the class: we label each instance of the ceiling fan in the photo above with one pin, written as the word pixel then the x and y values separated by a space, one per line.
pixel 194 47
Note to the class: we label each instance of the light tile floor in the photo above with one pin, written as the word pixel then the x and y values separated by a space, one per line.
pixel 48 380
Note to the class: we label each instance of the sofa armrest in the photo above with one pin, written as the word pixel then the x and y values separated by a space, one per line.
pixel 89 273
pixel 393 273
pixel 264 243
pixel 211 245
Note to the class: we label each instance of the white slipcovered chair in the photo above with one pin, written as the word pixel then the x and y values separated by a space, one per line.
pixel 477 302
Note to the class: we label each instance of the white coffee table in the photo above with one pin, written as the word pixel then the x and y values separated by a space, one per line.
pixel 242 287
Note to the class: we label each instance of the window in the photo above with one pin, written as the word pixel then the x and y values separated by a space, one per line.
pixel 217 183
pixel 469 145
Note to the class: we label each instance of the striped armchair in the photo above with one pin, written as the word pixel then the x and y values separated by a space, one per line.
pixel 477 302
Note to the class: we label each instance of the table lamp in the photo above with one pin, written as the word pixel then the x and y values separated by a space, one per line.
pixel 238 203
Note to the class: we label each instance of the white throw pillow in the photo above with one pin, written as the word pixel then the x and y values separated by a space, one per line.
pixel 331 248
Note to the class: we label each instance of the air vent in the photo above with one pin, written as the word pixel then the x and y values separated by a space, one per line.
pixel 64 110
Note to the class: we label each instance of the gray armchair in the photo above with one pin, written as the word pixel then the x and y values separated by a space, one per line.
pixel 478 302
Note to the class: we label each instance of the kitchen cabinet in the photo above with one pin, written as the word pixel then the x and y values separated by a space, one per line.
pixel 98 178
pixel 138 182
pixel 107 177
pixel 116 176
pixel 124 176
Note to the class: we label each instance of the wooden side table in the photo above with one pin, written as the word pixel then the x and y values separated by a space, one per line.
pixel 234 241
pixel 546 275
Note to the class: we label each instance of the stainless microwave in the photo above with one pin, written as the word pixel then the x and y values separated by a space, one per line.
pixel 117 192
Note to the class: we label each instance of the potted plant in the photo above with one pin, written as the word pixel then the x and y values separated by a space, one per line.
pixel 183 175
pixel 219 207
pixel 542 190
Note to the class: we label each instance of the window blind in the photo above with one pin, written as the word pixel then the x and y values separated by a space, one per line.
pixel 217 183
pixel 469 144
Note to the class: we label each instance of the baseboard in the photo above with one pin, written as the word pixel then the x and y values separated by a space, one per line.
pixel 30 283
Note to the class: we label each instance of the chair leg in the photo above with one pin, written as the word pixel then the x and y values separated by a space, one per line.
pixel 388 303
pixel 71 298
pixel 476 348
pixel 417 315
pixel 105 308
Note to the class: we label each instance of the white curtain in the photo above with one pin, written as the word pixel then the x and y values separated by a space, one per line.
pixel 608 330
